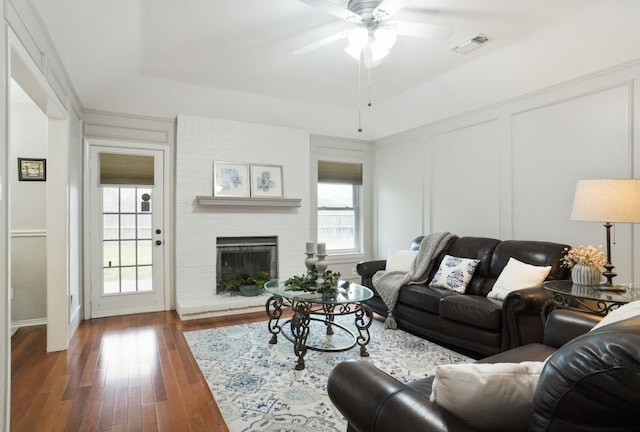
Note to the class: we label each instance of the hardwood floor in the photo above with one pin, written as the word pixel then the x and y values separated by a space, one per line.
pixel 129 373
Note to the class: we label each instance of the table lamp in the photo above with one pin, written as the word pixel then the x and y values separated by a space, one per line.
pixel 608 201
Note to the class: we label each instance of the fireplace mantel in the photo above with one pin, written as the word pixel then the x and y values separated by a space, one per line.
pixel 211 201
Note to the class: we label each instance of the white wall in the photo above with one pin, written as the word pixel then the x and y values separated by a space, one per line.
pixel 200 142
pixel 509 171
pixel 28 139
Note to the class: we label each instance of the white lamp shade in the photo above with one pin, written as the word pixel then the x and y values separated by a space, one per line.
pixel 607 200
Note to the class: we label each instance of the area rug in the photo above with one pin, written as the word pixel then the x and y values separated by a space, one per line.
pixel 257 388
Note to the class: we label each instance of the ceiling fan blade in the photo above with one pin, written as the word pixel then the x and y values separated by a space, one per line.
pixel 322 42
pixel 333 9
pixel 421 30
pixel 388 8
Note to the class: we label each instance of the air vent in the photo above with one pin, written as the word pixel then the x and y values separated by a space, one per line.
pixel 469 45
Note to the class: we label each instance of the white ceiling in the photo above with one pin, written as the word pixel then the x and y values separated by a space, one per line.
pixel 247 47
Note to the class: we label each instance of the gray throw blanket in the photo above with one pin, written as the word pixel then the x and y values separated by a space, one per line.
pixel 388 284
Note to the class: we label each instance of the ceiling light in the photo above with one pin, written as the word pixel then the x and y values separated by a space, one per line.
pixel 371 44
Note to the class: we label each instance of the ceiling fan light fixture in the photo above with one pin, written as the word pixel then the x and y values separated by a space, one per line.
pixel 373 45
pixel 384 37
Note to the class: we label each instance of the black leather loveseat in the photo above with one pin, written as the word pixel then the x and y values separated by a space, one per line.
pixel 471 322
pixel 589 383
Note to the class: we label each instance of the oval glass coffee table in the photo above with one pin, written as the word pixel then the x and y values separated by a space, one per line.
pixel 310 306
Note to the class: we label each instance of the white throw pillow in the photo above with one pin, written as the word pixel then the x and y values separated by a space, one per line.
pixel 401 261
pixel 495 397
pixel 454 273
pixel 517 275
pixel 629 310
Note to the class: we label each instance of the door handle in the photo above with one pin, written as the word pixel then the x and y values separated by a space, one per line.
pixel 158 242
pixel 158 231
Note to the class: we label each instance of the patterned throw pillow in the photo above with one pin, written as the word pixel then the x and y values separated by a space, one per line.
pixel 454 273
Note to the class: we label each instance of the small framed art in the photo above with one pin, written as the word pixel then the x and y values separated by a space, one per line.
pixel 266 181
pixel 231 179
pixel 32 169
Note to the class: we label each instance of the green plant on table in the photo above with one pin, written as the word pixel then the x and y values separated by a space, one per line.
pixel 303 283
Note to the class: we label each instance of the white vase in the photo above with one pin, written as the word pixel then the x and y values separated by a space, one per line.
pixel 583 274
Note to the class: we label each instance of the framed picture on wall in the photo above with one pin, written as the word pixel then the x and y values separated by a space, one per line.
pixel 266 181
pixel 32 169
pixel 231 179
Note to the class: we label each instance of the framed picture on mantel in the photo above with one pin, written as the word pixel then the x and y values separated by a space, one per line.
pixel 231 179
pixel 266 181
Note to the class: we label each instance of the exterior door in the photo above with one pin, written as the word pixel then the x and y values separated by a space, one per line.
pixel 127 231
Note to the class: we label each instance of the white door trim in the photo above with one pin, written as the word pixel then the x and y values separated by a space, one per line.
pixel 168 224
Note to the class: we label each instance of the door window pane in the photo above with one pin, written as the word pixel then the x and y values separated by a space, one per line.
pixel 110 200
pixel 145 282
pixel 128 279
pixel 111 253
pixel 144 226
pixel 144 252
pixel 111 281
pixel 127 200
pixel 128 226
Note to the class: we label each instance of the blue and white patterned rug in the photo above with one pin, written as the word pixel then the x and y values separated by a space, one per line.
pixel 257 388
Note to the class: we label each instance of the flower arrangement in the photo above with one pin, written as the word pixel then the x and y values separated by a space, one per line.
pixel 588 255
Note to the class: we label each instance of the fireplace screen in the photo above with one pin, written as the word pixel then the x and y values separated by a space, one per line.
pixel 246 255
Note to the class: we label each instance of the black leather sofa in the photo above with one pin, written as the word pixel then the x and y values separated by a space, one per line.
pixel 590 383
pixel 471 322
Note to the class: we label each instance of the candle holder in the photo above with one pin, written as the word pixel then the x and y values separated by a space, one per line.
pixel 310 263
pixel 321 267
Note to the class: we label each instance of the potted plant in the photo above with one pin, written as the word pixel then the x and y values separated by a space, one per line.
pixel 247 284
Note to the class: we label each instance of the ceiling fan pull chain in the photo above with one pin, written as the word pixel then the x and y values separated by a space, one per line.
pixel 359 93
pixel 369 79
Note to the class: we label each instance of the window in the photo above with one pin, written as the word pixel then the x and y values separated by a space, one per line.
pixel 339 218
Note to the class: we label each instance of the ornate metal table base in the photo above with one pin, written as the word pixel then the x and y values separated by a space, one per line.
pixel 565 301
pixel 304 313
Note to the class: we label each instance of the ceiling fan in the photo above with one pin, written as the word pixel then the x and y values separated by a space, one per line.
pixel 373 33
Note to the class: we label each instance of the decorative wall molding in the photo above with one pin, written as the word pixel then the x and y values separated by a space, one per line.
pixel 28 233
pixel 99 124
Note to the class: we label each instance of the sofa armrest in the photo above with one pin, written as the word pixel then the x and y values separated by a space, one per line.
pixel 367 269
pixel 371 400
pixel 564 325
pixel 522 322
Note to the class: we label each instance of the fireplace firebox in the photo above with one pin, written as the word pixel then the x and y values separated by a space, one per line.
pixel 246 255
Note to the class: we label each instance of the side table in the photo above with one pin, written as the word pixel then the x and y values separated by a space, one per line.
pixel 585 298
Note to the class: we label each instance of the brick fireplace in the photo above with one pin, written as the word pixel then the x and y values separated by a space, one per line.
pixel 200 142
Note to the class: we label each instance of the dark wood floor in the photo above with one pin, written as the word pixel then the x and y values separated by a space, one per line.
pixel 130 373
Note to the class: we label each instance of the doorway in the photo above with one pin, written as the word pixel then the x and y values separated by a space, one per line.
pixel 127 230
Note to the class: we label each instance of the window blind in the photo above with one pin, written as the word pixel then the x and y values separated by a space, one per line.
pixel 339 172
pixel 122 169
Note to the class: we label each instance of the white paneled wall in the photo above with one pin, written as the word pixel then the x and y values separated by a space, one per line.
pixel 200 142
pixel 399 189
pixel 465 180
pixel 509 171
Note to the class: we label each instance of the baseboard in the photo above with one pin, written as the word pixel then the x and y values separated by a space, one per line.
pixel 15 325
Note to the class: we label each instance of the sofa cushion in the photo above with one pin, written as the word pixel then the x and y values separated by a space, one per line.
pixel 401 261
pixel 424 297
pixel 518 275
pixel 537 253
pixel 474 311
pixel 480 248
pixel 462 389
pixel 454 273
